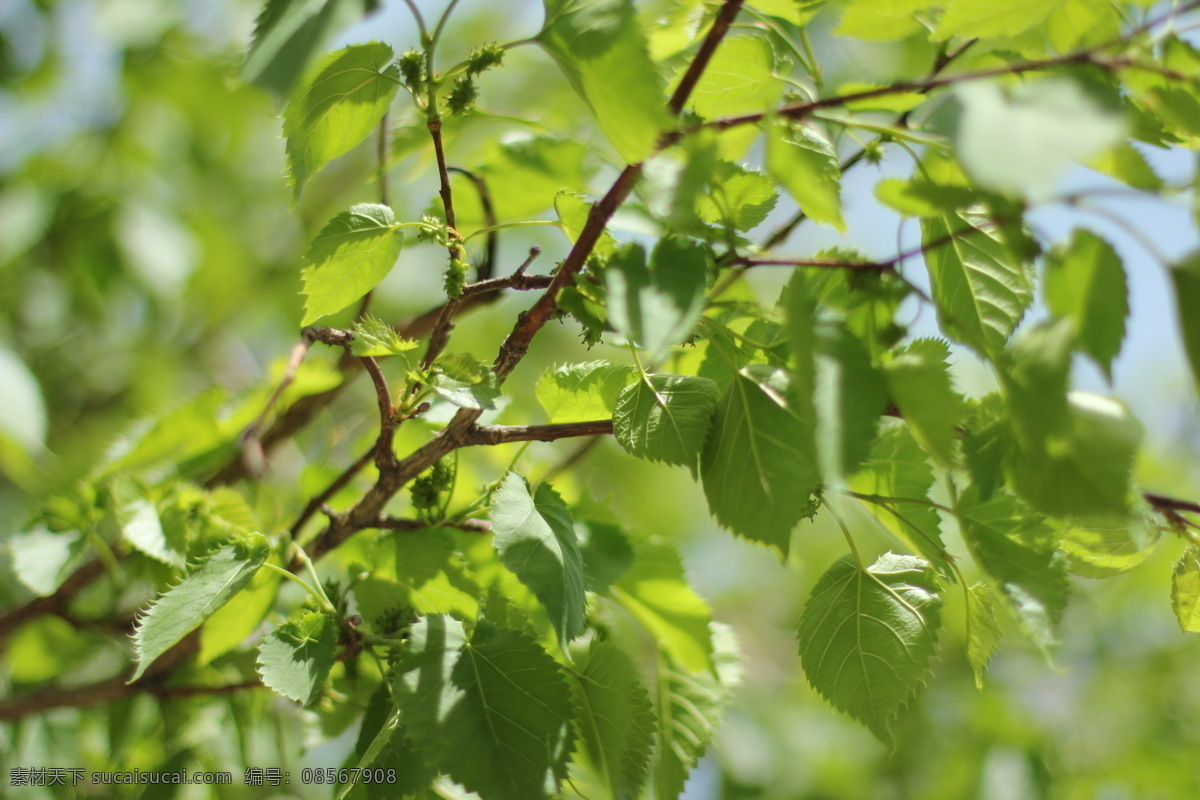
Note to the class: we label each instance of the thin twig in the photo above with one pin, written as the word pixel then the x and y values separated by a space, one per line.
pixel 396 524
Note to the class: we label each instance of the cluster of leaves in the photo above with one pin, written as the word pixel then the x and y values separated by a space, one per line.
pixel 547 642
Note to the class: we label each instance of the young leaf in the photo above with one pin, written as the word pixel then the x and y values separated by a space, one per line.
pixel 296 657
pixel 738 196
pixel 600 47
pixel 1185 590
pixel 1102 550
pixel 986 633
pixel 1086 284
pixel 690 705
pixel 804 162
pixel 616 720
pixel 657 306
pixel 656 593
pixel 993 18
pixel 287 36
pixel 867 635
pixel 919 383
pixel 374 338
pixel 665 418
pixel 582 392
pixel 338 107
pixel 184 607
pixel 350 255
pixel 494 714
pixel 142 529
pixel 738 80
pixel 898 468
pixel 980 291
pixel 759 465
pixel 1186 277
pixel 536 539
pixel 1018 551
pixel 480 395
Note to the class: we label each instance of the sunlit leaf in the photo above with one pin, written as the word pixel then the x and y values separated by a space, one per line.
pixel 535 538
pixel 581 392
pixel 296 657
pixel 1085 282
pixel 986 633
pixel 657 305
pixel 1185 590
pixel 182 608
pixel 665 417
pixel 350 255
pixel 337 107
pixel 802 159
pixel 867 636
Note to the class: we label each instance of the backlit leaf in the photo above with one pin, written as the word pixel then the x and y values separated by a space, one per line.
pixel 1185 590
pixel 867 636
pixel 337 107
pixel 581 392
pixel 980 291
pixel 657 306
pixel 376 339
pixel 1085 282
pixel 919 383
pixel 988 18
pixel 602 50
pixel 182 608
pixel 288 34
pixel 803 161
pixel 738 80
pixel 350 255
pixel 1018 551
pixel 986 633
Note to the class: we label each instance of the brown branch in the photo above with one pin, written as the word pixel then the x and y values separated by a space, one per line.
pixel 1162 503
pixel 502 434
pixel 396 524
pixel 708 47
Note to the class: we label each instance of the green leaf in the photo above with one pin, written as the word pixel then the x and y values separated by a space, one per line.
pixel 1186 277
pixel 337 107
pixel 582 392
pixel 867 635
pixel 920 198
pixel 232 623
pixel 536 539
pixel 658 306
pixel 985 440
pixel 1185 590
pixel 573 210
pixel 42 559
pixel 142 529
pixel 1102 550
pixel 296 657
pixel 541 165
pixel 494 714
pixel 607 554
pixel 480 395
pixel 23 410
pixel 384 743
pixel 602 50
pixel 287 36
pixel 657 594
pixel 990 18
pixel 374 338
pixel 797 12
pixel 1085 471
pixel 898 467
pixel 350 255
pixel 1086 284
pixel 184 607
pixel 802 159
pixel 739 79
pixel 690 705
pixel 980 291
pixel 759 465
pixel 994 132
pixel 881 20
pixel 1018 551
pixel 986 633
pixel 1126 163
pixel 616 720
pixel 738 196
pixel 665 418
pixel 918 380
